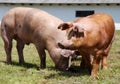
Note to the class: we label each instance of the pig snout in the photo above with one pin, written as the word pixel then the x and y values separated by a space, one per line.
pixel 69 53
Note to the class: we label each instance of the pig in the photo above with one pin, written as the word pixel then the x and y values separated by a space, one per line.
pixel 30 25
pixel 93 36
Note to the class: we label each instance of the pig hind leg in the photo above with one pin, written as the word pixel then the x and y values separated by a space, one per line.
pixel 95 65
pixel 104 57
pixel 7 45
pixel 8 49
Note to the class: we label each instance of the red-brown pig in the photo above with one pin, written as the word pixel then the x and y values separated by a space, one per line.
pixel 93 37
pixel 30 25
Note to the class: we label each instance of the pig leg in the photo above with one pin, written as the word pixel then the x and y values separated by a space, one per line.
pixel 104 58
pixel 20 47
pixel 42 56
pixel 95 65
pixel 82 65
pixel 104 62
pixel 86 62
pixel 8 48
pixel 7 45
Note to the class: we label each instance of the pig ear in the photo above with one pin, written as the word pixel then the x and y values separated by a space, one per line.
pixel 65 26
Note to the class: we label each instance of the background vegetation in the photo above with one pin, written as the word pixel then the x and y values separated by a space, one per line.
pixel 30 73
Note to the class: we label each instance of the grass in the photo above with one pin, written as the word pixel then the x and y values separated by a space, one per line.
pixel 30 73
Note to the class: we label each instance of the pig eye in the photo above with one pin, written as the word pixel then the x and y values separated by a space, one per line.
pixel 72 34
pixel 75 34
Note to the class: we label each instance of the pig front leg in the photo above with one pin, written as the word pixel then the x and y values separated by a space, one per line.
pixel 42 56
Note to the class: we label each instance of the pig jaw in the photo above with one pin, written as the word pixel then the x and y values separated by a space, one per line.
pixel 63 64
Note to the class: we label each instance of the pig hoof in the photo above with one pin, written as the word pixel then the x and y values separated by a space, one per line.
pixel 21 62
pixel 9 63
pixel 42 67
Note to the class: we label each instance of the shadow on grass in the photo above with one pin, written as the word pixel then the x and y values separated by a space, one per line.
pixel 25 65
pixel 73 71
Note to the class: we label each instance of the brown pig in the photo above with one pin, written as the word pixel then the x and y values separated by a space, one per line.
pixel 93 37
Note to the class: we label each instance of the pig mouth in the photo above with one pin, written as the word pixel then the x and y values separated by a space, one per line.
pixel 67 44
pixel 62 46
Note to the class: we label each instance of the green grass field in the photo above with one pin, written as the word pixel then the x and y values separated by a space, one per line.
pixel 30 73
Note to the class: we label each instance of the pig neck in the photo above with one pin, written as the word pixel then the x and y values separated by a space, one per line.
pixel 54 51
pixel 52 46
pixel 55 54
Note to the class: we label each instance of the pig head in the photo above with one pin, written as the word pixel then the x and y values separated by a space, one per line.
pixel 30 25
